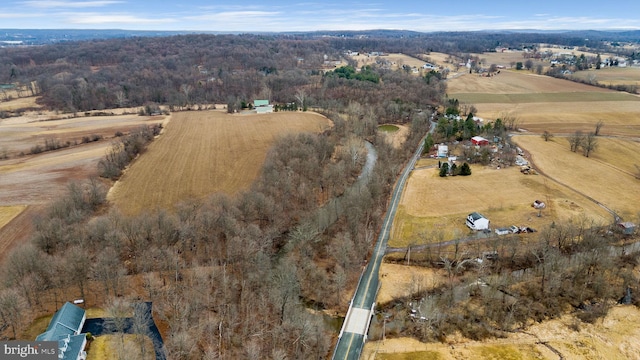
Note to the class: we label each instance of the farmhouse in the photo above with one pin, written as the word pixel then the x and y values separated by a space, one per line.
pixel 479 140
pixel 443 151
pixel 476 221
pixel 65 327
pixel 262 106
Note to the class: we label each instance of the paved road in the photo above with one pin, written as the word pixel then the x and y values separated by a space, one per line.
pixel 353 334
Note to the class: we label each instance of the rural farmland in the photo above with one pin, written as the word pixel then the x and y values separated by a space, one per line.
pixel 201 153
pixel 575 188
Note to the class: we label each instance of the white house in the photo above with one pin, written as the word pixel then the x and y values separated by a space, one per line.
pixel 262 106
pixel 476 221
pixel 443 151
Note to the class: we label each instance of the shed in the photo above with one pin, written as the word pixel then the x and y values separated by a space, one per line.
pixel 477 221
pixel 479 140
pixel 503 231
pixel 627 227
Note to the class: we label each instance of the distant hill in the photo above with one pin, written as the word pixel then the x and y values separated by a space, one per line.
pixel 18 37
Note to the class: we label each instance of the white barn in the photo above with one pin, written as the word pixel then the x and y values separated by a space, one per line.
pixel 262 106
pixel 476 221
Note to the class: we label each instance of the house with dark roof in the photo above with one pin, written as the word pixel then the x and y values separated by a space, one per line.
pixel 476 221
pixel 65 327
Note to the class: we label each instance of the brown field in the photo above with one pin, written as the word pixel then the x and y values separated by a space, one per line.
pixel 8 213
pixel 602 177
pixel 21 103
pixel 542 103
pixel 434 209
pixel 516 82
pixel 611 75
pixel 19 134
pixel 616 337
pixel 30 181
pixel 202 153
pixel 397 60
pixel 401 280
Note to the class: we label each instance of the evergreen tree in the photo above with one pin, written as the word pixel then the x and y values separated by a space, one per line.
pixel 444 169
pixel 454 169
pixel 465 170
pixel 428 144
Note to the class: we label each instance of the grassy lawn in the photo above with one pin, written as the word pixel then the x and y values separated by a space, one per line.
pixel 108 347
pixel 434 209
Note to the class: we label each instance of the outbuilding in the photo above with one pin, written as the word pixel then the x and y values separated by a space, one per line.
pixel 628 228
pixel 479 140
pixel 262 106
pixel 477 221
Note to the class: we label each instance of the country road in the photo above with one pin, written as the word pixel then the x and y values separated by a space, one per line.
pixel 353 334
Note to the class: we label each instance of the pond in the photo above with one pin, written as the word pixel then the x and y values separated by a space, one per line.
pixel 388 128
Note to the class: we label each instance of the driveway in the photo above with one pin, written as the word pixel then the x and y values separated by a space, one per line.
pixel 102 326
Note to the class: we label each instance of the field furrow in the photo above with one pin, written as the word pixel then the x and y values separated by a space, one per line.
pixel 201 153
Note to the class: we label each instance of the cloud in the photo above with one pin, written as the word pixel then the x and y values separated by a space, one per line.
pixel 242 16
pixel 45 4
pixel 120 19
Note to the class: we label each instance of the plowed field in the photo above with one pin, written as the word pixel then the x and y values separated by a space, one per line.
pixel 201 153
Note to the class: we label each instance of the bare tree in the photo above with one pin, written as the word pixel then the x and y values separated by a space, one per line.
pixel 118 309
pixel 140 326
pixel 121 98
pixel 576 140
pixel 510 121
pixel 599 126
pixel 589 144
pixel 539 69
pixel 12 308
pixel 301 97
pixel 285 289
pixel 528 64
pixel 547 135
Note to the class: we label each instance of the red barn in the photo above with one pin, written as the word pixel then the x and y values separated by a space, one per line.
pixel 479 140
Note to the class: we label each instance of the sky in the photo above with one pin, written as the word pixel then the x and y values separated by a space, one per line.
pixel 295 15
